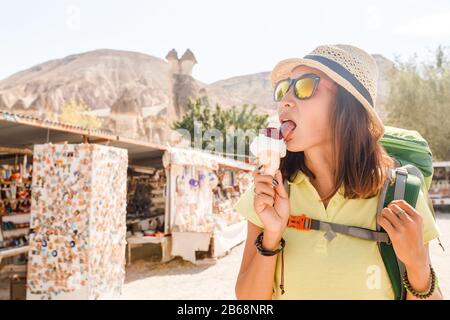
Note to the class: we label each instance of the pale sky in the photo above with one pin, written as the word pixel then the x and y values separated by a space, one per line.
pixel 229 38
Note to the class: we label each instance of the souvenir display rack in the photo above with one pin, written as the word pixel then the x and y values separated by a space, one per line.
pixel 146 210
pixel 203 189
pixel 78 212
pixel 15 204
pixel 440 186
pixel 205 198
pixel 146 201
pixel 232 183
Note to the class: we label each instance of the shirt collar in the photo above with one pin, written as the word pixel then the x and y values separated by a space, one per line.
pixel 301 177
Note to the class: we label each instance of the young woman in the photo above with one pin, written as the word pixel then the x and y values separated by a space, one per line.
pixel 336 169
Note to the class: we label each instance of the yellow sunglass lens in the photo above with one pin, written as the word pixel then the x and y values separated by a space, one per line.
pixel 304 88
pixel 281 90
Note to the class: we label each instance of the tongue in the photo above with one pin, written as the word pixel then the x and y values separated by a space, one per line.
pixel 286 128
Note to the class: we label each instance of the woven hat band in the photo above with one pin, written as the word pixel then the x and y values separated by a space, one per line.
pixel 344 73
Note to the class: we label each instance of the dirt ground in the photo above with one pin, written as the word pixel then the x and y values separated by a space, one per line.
pixel 177 279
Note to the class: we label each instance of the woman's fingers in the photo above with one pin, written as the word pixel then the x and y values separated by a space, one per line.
pixel 263 178
pixel 400 213
pixel 386 224
pixel 255 172
pixel 264 188
pixel 279 187
pixel 264 199
pixel 393 219
pixel 412 212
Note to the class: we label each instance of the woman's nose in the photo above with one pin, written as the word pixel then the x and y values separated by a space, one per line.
pixel 288 101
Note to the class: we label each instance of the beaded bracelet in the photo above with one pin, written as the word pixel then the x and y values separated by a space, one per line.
pixel 421 295
pixel 264 252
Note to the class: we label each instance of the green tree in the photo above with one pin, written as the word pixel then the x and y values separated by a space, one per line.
pixel 74 112
pixel 419 99
pixel 226 121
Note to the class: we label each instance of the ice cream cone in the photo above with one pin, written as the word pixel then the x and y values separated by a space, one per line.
pixel 268 151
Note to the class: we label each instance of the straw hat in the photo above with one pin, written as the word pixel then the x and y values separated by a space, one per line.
pixel 352 68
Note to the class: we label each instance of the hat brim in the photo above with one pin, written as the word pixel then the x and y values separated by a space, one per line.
pixel 284 68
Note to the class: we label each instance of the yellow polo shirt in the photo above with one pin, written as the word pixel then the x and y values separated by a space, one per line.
pixel 343 268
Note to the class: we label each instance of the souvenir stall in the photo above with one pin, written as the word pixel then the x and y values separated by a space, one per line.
pixel 78 208
pixel 146 199
pixel 62 261
pixel 203 189
pixel 230 227
pixel 146 208
pixel 15 201
pixel 440 186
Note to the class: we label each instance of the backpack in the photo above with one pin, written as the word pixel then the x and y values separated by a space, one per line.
pixel 413 155
pixel 413 172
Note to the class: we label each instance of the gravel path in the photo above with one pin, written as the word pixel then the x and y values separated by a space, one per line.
pixel 177 279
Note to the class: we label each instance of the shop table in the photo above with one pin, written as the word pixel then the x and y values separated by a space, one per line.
pixel 13 252
pixel 165 242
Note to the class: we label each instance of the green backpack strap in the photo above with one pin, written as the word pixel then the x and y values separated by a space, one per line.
pixel 403 183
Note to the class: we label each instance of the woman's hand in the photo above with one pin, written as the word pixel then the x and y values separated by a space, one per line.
pixel 405 229
pixel 271 203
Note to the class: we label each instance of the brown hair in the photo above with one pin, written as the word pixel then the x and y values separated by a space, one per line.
pixel 360 160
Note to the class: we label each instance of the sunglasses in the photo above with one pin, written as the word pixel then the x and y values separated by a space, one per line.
pixel 304 87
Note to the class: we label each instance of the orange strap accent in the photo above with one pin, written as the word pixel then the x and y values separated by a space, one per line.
pixel 302 222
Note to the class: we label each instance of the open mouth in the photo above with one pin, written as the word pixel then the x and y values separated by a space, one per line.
pixel 287 128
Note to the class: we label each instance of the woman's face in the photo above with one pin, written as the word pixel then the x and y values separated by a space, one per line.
pixel 310 117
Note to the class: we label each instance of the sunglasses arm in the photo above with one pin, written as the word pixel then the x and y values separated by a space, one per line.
pixel 329 84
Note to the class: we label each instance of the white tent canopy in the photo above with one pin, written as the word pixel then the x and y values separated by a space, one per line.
pixel 201 158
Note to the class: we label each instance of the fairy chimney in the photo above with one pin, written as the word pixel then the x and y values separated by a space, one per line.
pixel 172 58
pixel 187 62
pixel 181 83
